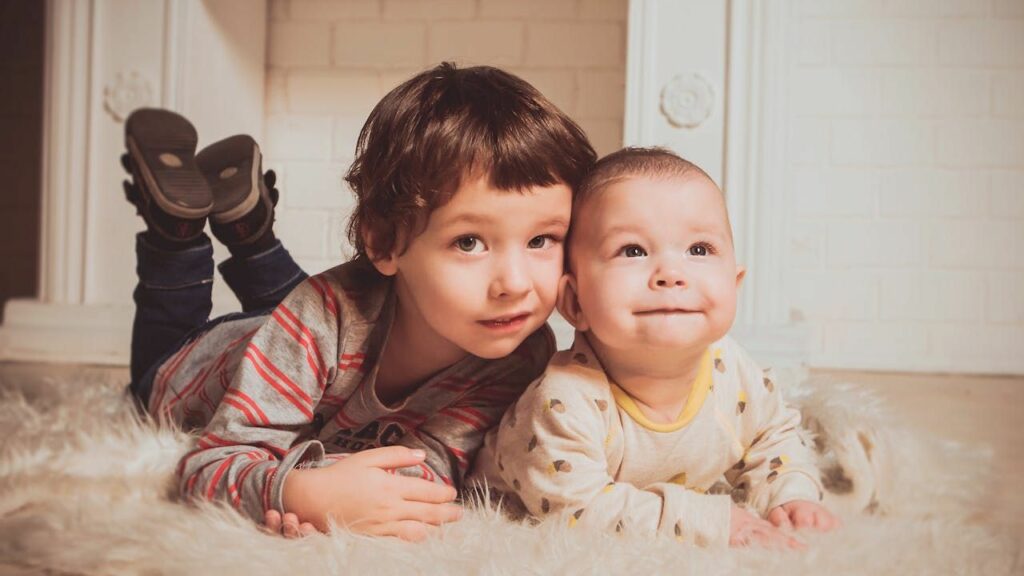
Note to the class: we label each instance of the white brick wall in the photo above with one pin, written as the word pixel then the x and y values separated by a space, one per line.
pixel 329 62
pixel 905 168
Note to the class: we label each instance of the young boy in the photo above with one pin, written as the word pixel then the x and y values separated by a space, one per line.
pixel 401 358
pixel 654 420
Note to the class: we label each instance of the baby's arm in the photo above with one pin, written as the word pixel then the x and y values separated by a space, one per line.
pixel 777 468
pixel 550 450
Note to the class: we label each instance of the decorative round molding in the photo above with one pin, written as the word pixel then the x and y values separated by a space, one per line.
pixel 128 91
pixel 687 100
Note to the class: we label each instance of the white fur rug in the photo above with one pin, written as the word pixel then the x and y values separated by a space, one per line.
pixel 85 489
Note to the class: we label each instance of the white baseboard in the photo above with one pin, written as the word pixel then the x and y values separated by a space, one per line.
pixel 35 331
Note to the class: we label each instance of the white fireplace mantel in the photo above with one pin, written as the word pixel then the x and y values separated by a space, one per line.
pixel 204 59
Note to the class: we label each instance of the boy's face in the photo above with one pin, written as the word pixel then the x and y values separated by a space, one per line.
pixel 653 265
pixel 483 275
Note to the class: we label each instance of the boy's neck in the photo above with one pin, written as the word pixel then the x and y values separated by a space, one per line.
pixel 410 357
pixel 659 381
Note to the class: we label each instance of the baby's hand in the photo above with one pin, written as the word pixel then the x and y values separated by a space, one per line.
pixel 803 514
pixel 746 528
pixel 289 526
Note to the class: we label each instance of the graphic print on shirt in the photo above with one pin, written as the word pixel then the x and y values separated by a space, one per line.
pixel 372 435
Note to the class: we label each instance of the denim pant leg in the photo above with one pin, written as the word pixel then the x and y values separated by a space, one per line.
pixel 172 298
pixel 262 280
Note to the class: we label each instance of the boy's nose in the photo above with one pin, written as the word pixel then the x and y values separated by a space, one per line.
pixel 511 280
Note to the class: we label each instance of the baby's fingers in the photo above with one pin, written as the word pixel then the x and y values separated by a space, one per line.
pixel 779 518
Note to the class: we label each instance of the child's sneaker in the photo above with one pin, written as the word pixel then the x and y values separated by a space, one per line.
pixel 168 189
pixel 243 197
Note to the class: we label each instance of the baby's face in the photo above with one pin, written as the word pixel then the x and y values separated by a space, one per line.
pixel 654 264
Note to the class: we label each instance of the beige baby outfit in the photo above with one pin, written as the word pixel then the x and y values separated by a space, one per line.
pixel 576 443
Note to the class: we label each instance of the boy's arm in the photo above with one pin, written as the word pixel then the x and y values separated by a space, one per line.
pixel 777 467
pixel 453 435
pixel 550 448
pixel 250 445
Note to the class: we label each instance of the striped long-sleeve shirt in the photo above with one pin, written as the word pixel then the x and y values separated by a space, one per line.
pixel 268 393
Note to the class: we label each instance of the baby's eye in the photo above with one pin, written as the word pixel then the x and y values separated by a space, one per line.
pixel 633 251
pixel 701 249
pixel 470 245
pixel 538 242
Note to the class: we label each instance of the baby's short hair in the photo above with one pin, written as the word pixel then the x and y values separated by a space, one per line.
pixel 629 162
pixel 445 125
pixel 633 162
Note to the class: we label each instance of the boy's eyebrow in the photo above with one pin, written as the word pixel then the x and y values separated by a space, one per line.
pixel 479 219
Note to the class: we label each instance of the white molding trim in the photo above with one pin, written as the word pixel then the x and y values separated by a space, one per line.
pixel 66 105
pixel 642 61
pixel 754 179
pixel 34 331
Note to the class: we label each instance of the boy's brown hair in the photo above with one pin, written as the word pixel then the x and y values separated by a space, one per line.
pixel 445 125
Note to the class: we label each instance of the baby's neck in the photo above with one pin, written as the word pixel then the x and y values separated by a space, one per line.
pixel 659 382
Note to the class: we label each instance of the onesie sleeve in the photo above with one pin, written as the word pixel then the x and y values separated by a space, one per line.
pixel 777 467
pixel 550 449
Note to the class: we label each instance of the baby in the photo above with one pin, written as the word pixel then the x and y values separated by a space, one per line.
pixel 655 420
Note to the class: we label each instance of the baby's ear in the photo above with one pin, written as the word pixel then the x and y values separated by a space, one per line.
pixel 568 303
pixel 741 273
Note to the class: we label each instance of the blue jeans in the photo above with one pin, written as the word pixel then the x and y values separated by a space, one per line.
pixel 173 298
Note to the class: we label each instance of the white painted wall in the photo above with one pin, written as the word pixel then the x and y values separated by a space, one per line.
pixel 330 62
pixel 905 172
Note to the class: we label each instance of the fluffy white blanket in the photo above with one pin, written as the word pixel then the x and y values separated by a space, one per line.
pixel 87 489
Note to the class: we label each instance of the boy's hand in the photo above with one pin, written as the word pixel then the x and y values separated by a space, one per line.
pixel 359 493
pixel 803 514
pixel 746 528
pixel 289 526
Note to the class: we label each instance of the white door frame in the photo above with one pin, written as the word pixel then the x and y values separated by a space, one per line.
pixel 103 58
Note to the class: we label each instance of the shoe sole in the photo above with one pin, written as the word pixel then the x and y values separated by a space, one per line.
pixel 232 170
pixel 162 145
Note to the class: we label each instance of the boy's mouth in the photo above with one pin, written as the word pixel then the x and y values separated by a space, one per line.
pixel 507 322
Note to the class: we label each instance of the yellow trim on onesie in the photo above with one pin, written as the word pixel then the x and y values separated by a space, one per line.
pixel 694 402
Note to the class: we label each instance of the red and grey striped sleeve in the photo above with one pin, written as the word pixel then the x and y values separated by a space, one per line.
pixel 452 436
pixel 249 445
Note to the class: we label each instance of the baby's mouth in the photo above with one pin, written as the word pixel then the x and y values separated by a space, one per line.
pixel 665 312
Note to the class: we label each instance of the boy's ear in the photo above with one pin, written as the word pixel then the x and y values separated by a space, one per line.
pixel 386 264
pixel 568 303
pixel 741 273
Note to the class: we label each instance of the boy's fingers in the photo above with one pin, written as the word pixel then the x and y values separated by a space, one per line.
pixel 388 457
pixel 409 530
pixel 420 490
pixel 306 529
pixel 272 522
pixel 435 514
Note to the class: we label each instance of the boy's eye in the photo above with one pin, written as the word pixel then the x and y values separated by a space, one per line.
pixel 633 251
pixel 701 249
pixel 538 242
pixel 470 245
